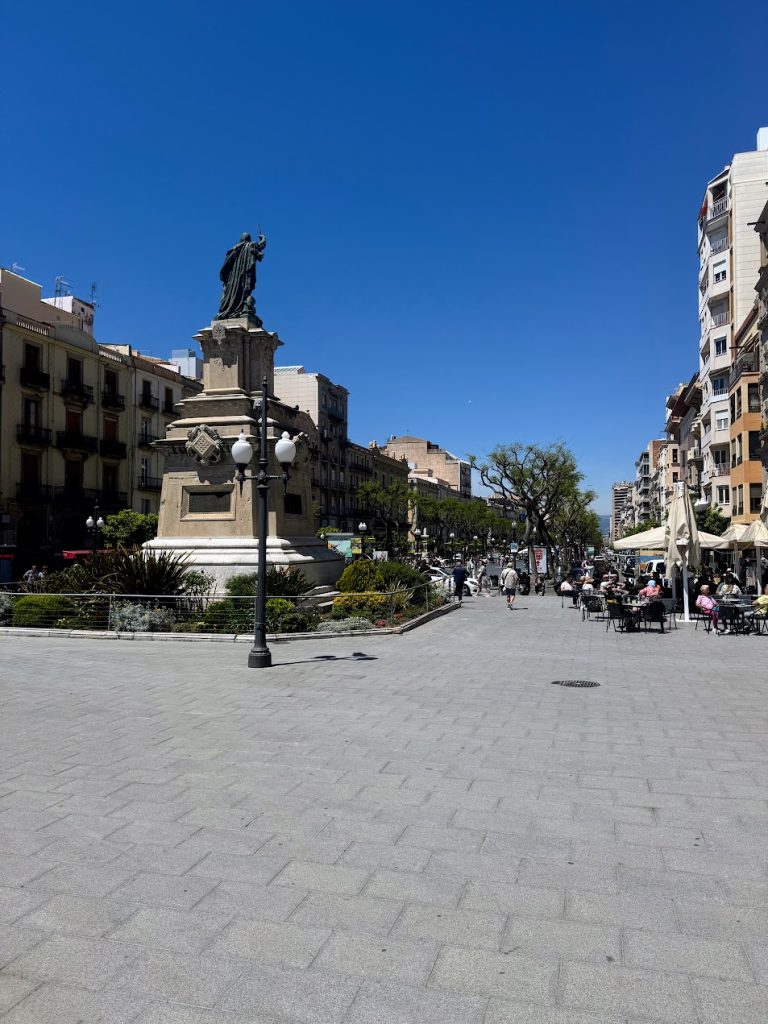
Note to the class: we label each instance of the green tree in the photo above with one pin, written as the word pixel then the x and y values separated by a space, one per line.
pixel 532 480
pixel 711 520
pixel 389 505
pixel 128 528
pixel 647 524
pixel 576 526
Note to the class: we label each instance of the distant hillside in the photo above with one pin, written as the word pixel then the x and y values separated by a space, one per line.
pixel 605 524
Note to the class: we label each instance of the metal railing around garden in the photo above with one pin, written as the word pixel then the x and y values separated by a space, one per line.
pixel 25 606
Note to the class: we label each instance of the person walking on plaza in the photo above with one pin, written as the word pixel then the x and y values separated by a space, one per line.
pixel 509 582
pixel 459 579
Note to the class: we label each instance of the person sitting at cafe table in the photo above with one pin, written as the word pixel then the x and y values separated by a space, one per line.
pixel 707 605
pixel 650 591
pixel 729 587
pixel 567 588
pixel 759 606
pixel 587 585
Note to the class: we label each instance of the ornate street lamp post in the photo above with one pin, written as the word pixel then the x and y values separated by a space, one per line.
pixel 362 527
pixel 242 453
pixel 416 538
pixel 93 524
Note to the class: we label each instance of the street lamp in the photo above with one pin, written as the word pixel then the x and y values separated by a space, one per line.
pixel 93 524
pixel 452 538
pixel 242 453
pixel 417 537
pixel 361 529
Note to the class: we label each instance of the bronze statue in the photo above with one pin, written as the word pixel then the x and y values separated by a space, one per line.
pixel 238 275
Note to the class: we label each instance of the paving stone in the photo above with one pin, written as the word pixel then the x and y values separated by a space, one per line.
pixel 73 960
pixel 175 1014
pixel 733 1002
pixel 308 997
pixel 758 957
pixel 346 913
pixel 509 976
pixel 181 893
pixel 323 877
pixel 685 953
pixel 15 870
pixel 78 915
pixel 15 940
pixel 380 959
pixel 177 930
pixel 236 867
pixel 82 879
pixel 572 940
pixel 632 910
pixel 384 855
pixel 16 903
pixel 157 833
pixel 270 942
pixel 14 841
pixel 409 886
pixel 194 980
pixel 502 1012
pixel 56 1004
pixel 512 899
pixel 447 924
pixel 618 990
pixel 13 990
pixel 225 840
pixel 242 899
pixel 377 1003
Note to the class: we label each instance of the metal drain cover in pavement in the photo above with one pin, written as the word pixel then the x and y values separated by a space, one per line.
pixel 574 682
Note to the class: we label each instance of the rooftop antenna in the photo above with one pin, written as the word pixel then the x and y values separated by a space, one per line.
pixel 93 301
pixel 62 287
pixel 16 267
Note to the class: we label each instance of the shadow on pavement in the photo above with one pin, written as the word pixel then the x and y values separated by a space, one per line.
pixel 355 656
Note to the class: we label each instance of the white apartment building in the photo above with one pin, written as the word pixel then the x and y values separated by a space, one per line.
pixel 621 499
pixel 729 262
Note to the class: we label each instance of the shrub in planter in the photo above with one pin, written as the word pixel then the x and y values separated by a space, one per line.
pixel 351 624
pixel 40 611
pixel 291 582
pixel 393 574
pixel 369 606
pixel 227 616
pixel 6 606
pixel 359 577
pixel 127 617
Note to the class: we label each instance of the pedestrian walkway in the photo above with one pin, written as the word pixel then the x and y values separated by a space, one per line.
pixel 387 830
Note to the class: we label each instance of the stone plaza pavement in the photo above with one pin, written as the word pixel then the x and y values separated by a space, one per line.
pixel 435 835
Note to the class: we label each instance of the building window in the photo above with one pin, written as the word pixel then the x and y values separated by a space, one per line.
pixel 110 429
pixel 723 494
pixel 31 412
pixel 674 456
pixel 719 272
pixel 721 346
pixel 110 382
pixel 721 421
pixel 74 421
pixel 755 498
pixel 753 398
pixel 31 357
pixel 109 478
pixel 74 370
pixel 146 506
pixel 73 474
pixel 674 478
pixel 719 386
pixel 754 444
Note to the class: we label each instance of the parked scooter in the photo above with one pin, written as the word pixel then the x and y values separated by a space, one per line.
pixel 524 583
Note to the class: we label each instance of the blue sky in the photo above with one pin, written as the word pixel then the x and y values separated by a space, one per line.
pixel 481 217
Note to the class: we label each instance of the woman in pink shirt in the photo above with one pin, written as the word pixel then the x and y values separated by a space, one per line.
pixel 708 606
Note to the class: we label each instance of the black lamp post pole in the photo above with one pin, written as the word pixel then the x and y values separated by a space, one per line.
pixel 260 655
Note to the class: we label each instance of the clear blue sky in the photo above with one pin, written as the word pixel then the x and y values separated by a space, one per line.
pixel 481 217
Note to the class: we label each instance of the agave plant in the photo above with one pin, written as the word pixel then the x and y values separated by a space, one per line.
pixel 124 571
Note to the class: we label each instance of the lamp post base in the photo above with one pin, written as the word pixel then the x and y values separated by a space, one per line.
pixel 259 658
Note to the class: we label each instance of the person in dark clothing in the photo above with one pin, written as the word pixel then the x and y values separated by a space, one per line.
pixel 459 579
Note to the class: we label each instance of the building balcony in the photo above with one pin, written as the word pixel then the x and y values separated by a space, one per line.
pixel 74 494
pixel 73 441
pixel 169 408
pixel 31 377
pixel 360 467
pixel 721 319
pixel 110 499
pixel 111 400
pixel 76 391
pixel 744 364
pixel 719 246
pixel 718 209
pixel 720 469
pixel 112 449
pixel 26 433
pixel 33 492
pixel 337 416
pixel 149 483
pixel 146 401
pixel 145 440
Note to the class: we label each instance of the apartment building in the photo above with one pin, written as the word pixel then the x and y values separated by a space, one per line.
pixel 729 258
pixel 621 499
pixel 746 476
pixel 70 421
pixel 761 327
pixel 430 462
pixel 645 468
pixel 340 466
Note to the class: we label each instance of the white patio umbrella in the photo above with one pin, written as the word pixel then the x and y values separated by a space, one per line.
pixel 656 540
pixel 683 546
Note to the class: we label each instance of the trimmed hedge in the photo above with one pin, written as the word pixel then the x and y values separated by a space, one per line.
pixel 40 611
pixel 366 606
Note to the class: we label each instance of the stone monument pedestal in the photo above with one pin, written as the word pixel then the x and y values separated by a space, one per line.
pixel 204 513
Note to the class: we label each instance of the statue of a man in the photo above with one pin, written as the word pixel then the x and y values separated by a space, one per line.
pixel 238 275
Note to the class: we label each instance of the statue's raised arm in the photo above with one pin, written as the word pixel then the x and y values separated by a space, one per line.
pixel 238 275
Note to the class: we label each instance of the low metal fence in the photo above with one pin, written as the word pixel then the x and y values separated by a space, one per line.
pixel 213 613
